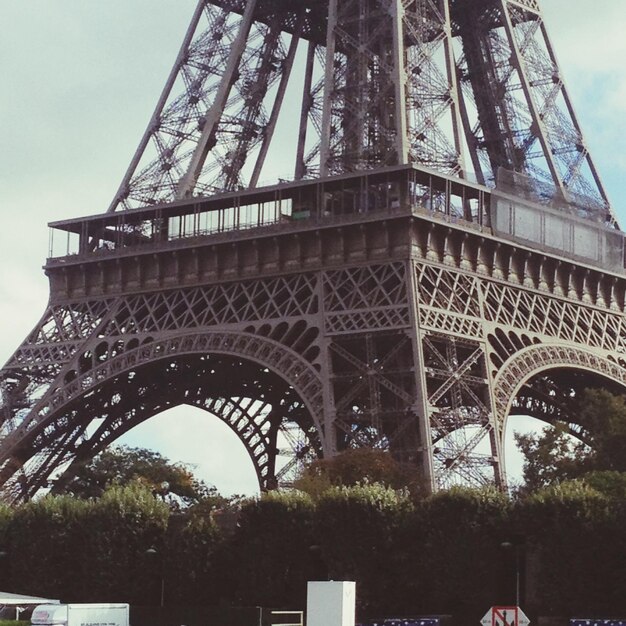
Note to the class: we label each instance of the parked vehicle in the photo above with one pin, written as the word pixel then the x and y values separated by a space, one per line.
pixel 80 615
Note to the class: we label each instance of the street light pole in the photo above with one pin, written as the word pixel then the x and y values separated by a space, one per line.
pixel 154 552
pixel 507 545
pixel 517 575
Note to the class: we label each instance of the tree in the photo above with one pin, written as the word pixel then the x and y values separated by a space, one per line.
pixel 603 418
pixel 361 538
pixel 459 532
pixel 551 456
pixel 269 560
pixel 124 524
pixel 358 466
pixel 600 445
pixel 44 542
pixel 121 465
pixel 575 547
pixel 609 483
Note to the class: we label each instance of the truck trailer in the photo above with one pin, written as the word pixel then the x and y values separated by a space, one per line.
pixel 80 615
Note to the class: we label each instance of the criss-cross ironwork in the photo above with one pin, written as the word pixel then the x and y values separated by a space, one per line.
pixel 440 254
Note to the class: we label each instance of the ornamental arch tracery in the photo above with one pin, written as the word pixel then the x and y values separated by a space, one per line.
pixel 542 380
pixel 254 384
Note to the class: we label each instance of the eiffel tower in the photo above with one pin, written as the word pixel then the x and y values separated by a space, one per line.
pixel 443 256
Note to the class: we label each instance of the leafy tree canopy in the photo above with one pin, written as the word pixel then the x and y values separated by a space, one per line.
pixel 609 483
pixel 121 465
pixel 551 456
pixel 600 446
pixel 357 467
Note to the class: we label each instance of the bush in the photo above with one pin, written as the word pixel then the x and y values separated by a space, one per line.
pixel 358 529
pixel 268 559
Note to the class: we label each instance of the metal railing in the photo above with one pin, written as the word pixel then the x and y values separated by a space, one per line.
pixel 297 614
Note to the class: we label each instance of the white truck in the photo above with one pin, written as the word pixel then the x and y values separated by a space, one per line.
pixel 80 615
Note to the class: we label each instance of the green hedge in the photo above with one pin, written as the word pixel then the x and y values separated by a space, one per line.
pixel 453 553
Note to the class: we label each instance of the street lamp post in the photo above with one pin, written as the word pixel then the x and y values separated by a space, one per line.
pixel 152 552
pixel 508 545
pixel 3 566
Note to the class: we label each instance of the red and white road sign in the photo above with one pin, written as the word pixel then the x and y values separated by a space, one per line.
pixel 505 616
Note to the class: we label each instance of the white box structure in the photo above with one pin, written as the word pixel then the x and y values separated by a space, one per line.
pixel 330 603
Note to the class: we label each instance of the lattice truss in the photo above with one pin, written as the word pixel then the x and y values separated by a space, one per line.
pixel 359 109
pixel 220 104
pixel 371 359
pixel 338 350
pixel 551 395
pixel 393 95
pixel 381 82
pixel 431 90
pixel 374 391
pixel 372 297
pixel 517 113
pixel 481 340
pixel 460 415
pixel 311 115
pixel 90 371
pixel 457 300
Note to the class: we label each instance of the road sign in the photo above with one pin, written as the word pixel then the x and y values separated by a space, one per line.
pixel 505 616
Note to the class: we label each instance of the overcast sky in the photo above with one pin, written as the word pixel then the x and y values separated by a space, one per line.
pixel 80 79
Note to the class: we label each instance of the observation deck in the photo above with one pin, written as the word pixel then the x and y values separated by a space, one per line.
pixel 300 225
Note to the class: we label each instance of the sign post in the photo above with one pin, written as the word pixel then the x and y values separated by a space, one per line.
pixel 505 616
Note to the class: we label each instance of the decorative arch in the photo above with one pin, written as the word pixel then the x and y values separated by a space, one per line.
pixel 535 359
pixel 50 429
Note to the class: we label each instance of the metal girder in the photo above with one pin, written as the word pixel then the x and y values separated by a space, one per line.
pixel 310 117
pixel 208 130
pixel 333 352
pixel 432 102
pixel 462 422
pixel 372 308
pixel 386 82
pixel 253 401
pixel 521 118
pixel 212 113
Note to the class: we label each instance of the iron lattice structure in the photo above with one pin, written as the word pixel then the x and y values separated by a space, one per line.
pixel 444 254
